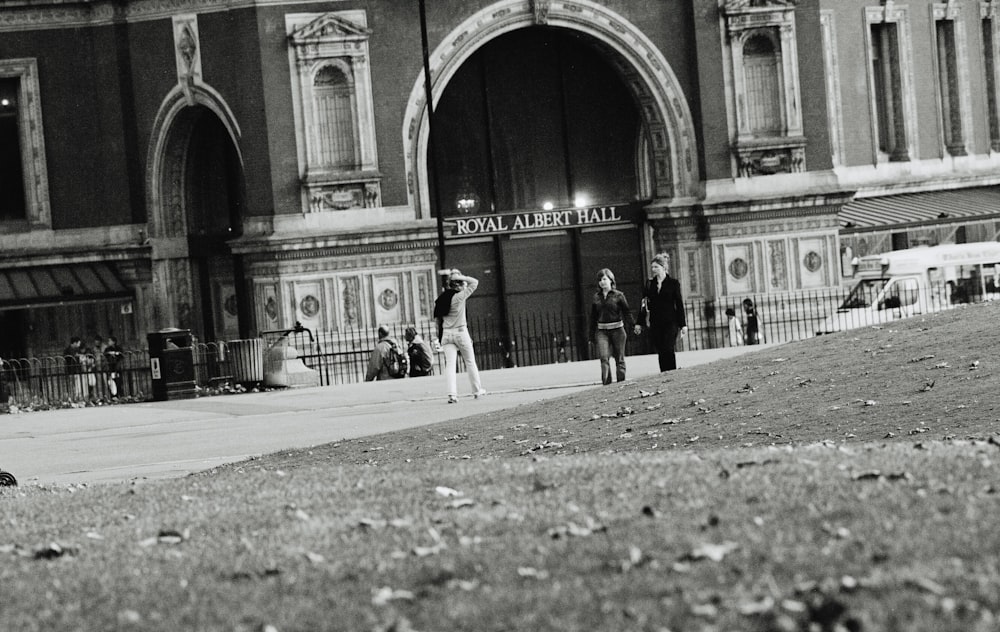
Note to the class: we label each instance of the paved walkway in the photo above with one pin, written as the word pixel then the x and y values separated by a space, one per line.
pixel 162 439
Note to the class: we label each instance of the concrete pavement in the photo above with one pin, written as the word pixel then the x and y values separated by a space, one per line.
pixel 161 439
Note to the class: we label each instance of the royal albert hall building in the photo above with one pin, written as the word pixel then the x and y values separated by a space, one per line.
pixel 236 166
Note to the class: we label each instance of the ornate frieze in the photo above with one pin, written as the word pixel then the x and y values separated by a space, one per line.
pixel 541 10
pixel 738 6
pixel 325 196
pixel 770 156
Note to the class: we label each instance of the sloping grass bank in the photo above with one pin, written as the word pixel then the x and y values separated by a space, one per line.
pixel 844 483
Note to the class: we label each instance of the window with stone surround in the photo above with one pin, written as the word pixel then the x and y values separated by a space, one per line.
pixel 890 79
pixel 991 52
pixel 334 110
pixel 950 49
pixel 24 196
pixel 761 67
pixel 834 101
pixel 762 85
pixel 12 202
pixel 336 124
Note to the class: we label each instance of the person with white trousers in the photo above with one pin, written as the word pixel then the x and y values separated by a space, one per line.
pixel 453 332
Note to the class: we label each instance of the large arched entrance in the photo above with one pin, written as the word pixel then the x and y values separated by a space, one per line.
pixel 541 117
pixel 197 197
pixel 673 177
pixel 537 119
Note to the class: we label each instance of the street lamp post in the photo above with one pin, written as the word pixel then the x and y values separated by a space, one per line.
pixel 431 144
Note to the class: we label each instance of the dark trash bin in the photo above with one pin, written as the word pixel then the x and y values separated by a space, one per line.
pixel 171 363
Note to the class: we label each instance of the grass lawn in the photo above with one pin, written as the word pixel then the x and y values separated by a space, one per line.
pixel 844 483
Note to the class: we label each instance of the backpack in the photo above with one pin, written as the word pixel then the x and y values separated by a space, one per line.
pixel 394 361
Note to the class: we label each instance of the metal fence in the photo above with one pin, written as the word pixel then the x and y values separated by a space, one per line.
pixel 62 380
pixel 526 340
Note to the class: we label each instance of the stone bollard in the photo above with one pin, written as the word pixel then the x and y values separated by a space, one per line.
pixel 284 368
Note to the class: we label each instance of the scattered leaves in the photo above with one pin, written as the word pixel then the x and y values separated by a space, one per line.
pixel 713 552
pixel 384 595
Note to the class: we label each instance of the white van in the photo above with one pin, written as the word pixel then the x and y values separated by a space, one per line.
pixel 919 280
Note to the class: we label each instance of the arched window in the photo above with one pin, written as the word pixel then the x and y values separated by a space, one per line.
pixel 761 67
pixel 334 110
pixel 335 119
pixel 763 90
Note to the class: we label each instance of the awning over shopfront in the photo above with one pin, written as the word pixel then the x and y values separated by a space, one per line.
pixel 912 209
pixel 43 286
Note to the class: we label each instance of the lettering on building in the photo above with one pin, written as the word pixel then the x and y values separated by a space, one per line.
pixel 543 220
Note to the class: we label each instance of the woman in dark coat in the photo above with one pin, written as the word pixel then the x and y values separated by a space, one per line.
pixel 663 311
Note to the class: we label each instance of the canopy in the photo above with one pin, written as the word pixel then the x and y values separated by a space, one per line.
pixel 912 209
pixel 43 286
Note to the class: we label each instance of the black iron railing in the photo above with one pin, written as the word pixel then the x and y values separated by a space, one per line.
pixel 525 340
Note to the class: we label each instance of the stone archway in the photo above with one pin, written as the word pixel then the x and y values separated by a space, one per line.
pixel 174 297
pixel 663 106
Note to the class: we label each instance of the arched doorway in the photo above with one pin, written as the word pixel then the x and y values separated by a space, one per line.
pixel 214 206
pixel 537 117
pixel 539 120
pixel 196 201
pixel 673 176
pixel 554 269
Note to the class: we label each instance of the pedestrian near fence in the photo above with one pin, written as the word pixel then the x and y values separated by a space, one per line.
pixel 610 319
pixel 113 357
pixel 453 332
pixel 752 328
pixel 662 311
pixel 74 369
pixel 379 363
pixel 735 328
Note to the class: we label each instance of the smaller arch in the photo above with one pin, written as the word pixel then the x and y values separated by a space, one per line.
pixel 759 43
pixel 168 140
pixel 333 72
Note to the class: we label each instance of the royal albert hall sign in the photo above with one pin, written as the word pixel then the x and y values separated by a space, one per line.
pixel 523 221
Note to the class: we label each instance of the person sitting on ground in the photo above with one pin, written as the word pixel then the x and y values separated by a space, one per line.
pixel 419 353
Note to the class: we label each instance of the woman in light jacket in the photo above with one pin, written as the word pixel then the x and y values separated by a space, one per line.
pixel 610 318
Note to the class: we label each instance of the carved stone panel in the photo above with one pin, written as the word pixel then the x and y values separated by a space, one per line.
pixel 812 263
pixel 309 304
pixel 738 268
pixel 187 48
pixel 777 265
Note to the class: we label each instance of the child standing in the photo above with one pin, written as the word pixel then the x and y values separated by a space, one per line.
pixel 735 328
pixel 752 333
